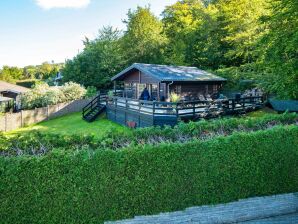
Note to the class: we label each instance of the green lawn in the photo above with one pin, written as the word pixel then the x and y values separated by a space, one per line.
pixel 74 124
pixel 261 112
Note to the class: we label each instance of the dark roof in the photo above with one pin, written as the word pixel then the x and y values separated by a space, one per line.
pixel 171 73
pixel 5 86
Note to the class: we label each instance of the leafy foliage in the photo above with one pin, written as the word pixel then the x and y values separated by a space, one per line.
pixel 143 41
pixel 42 95
pixel 45 71
pixel 252 40
pixel 93 186
pixel 280 49
pixel 100 60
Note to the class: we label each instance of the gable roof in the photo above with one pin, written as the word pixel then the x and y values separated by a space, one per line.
pixel 5 86
pixel 165 73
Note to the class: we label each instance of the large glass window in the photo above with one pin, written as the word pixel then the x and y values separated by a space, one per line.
pixel 153 92
pixel 130 90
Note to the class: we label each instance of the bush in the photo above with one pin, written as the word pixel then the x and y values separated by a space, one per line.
pixel 42 95
pixel 91 92
pixel 28 83
pixel 90 187
pixel 73 91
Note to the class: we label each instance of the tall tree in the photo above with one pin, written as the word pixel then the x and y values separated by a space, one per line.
pixel 143 40
pixel 180 21
pixel 241 21
pixel 10 74
pixel 101 59
pixel 209 47
pixel 280 49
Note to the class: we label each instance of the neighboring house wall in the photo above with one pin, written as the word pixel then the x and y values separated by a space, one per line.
pixel 12 121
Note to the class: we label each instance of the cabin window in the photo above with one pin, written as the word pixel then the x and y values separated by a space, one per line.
pixel 130 90
pixel 178 89
pixel 153 92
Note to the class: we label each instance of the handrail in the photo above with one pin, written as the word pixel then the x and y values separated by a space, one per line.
pixel 91 104
pixel 184 107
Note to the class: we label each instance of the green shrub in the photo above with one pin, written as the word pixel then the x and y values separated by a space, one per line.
pixel 28 83
pixel 92 186
pixel 42 95
pixel 91 92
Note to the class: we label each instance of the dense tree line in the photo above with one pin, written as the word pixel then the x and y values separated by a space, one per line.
pixel 44 71
pixel 238 39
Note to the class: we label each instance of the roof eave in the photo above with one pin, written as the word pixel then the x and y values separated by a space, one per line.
pixel 134 66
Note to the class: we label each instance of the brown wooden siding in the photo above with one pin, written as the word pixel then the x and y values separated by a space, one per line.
pixel 132 77
pixel 144 78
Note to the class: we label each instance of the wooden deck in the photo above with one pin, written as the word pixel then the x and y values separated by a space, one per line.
pixel 150 113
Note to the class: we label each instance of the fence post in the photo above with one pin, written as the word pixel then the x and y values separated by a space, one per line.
pixel 21 118
pixel 48 116
pixel 194 109
pixel 125 114
pixel 5 122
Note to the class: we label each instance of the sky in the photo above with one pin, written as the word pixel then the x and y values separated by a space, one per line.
pixel 35 31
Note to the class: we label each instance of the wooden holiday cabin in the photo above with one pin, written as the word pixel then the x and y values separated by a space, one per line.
pixel 196 88
pixel 190 83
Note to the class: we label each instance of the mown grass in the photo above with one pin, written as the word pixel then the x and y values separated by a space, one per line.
pixel 261 112
pixel 74 124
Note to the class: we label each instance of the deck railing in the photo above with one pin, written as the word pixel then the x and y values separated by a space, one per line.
pixel 187 108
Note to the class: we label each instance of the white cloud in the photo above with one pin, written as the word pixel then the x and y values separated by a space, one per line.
pixel 49 4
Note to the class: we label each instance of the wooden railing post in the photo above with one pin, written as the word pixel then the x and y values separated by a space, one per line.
pixel 193 109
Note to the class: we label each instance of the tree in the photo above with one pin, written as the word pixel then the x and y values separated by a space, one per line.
pixel 101 59
pixel 208 46
pixel 241 21
pixel 143 40
pixel 180 21
pixel 279 49
pixel 10 74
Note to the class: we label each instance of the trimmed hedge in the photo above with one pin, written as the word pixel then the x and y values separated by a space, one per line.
pixel 92 186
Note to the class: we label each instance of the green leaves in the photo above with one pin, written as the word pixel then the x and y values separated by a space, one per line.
pixel 143 40
pixel 101 59
pixel 85 187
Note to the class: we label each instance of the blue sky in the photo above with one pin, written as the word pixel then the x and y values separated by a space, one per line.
pixel 34 31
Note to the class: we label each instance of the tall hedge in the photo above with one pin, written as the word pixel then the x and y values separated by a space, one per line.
pixel 92 186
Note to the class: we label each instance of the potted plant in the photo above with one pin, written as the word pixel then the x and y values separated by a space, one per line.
pixel 174 98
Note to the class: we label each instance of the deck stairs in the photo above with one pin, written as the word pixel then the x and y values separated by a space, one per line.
pixel 93 109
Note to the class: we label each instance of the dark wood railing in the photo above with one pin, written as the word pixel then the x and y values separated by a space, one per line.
pixel 187 108
pixel 95 102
